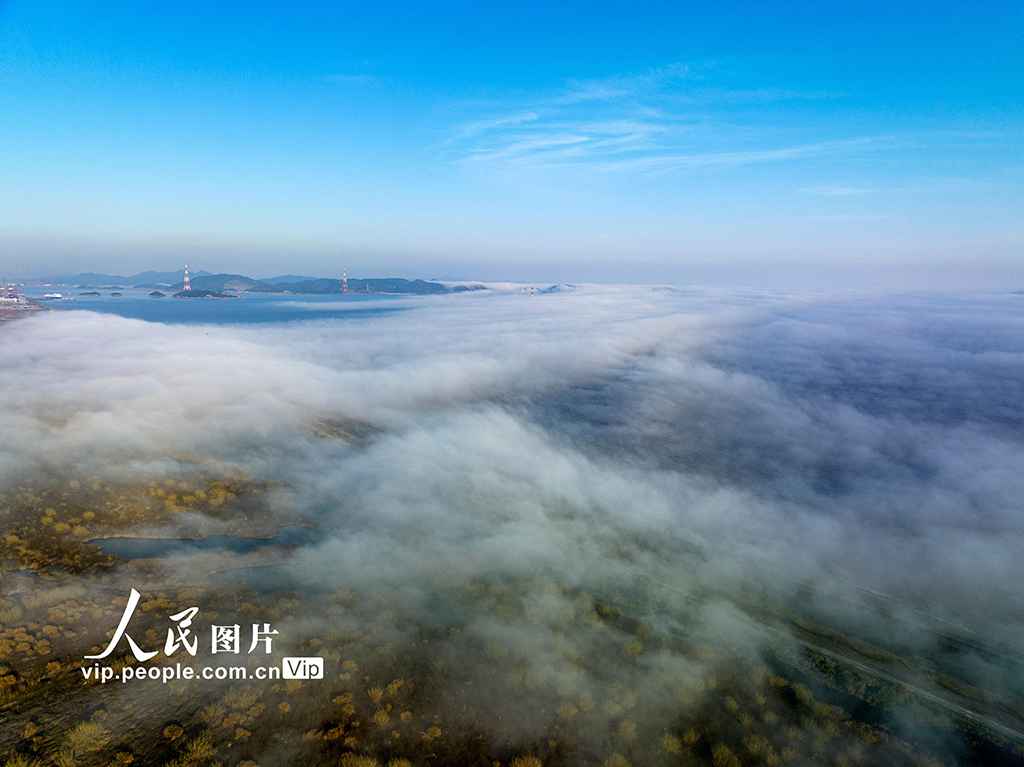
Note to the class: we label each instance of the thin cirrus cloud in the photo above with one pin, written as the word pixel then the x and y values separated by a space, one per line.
pixel 663 119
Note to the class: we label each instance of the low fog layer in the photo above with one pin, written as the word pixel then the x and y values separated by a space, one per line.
pixel 782 449
pixel 874 440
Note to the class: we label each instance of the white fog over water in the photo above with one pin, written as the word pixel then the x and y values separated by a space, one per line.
pixel 795 450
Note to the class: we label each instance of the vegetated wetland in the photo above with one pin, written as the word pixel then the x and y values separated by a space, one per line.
pixel 523 549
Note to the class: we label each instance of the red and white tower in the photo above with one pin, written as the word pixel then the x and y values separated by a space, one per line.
pixel 188 285
pixel 344 280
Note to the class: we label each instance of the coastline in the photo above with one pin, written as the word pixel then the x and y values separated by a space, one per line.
pixel 10 314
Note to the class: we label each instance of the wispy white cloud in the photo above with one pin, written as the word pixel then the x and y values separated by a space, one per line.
pixel 747 157
pixel 662 119
pixel 618 86
pixel 484 126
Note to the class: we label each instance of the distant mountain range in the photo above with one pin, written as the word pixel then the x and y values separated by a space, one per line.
pixel 321 286
pixel 237 283
pixel 288 278
pixel 143 279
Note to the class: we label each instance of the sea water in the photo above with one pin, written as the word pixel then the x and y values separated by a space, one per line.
pixel 245 309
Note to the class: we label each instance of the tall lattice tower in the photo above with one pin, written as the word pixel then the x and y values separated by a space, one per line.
pixel 188 285
pixel 344 280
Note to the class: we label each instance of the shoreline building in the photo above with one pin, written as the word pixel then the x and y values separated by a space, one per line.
pixel 9 295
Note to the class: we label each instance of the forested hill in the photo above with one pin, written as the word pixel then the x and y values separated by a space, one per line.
pixel 238 283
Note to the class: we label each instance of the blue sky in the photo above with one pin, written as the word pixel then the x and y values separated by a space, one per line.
pixel 583 141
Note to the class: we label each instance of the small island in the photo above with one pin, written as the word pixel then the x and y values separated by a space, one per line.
pixel 157 294
pixel 202 294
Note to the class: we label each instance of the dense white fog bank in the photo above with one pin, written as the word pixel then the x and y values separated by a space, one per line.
pixel 799 448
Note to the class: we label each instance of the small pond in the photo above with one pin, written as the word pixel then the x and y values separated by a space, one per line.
pixel 159 548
